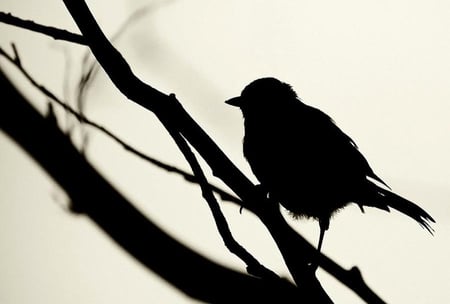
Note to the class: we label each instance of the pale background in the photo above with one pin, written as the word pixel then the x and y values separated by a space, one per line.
pixel 381 69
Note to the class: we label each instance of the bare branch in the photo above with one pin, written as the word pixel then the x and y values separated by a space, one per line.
pixel 53 32
pixel 16 55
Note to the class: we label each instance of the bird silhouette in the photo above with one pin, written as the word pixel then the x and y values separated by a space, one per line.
pixel 305 162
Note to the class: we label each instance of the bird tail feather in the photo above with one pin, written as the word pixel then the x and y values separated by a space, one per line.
pixel 390 199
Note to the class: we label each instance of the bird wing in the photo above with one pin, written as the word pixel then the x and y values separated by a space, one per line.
pixel 339 150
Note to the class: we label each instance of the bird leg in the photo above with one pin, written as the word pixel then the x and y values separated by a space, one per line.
pixel 323 224
pixel 321 236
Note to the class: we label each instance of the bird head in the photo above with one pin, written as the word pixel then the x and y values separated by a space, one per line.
pixel 264 94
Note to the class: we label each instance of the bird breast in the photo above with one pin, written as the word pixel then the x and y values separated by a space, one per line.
pixel 292 164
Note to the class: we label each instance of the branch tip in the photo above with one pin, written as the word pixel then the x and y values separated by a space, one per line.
pixel 16 54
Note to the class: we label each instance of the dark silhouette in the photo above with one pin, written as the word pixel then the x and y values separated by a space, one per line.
pixel 95 197
pixel 304 161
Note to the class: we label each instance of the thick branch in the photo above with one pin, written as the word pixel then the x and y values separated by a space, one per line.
pixel 95 197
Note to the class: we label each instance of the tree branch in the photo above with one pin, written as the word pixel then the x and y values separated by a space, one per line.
pixel 53 32
pixel 94 196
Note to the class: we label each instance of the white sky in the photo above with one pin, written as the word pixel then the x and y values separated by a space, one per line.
pixel 381 69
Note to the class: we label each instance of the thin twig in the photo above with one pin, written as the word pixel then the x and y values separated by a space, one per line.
pixel 253 266
pixel 54 32
pixel 89 70
pixel 81 118
pixel 16 55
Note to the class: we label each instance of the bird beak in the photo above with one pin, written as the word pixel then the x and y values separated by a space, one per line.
pixel 235 101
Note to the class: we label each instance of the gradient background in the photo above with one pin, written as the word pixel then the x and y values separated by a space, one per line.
pixel 381 69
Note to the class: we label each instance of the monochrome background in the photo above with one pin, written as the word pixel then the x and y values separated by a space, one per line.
pixel 381 69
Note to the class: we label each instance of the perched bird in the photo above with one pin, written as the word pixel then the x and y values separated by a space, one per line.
pixel 305 162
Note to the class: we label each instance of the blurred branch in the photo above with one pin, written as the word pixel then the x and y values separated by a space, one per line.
pixel 81 118
pixel 54 32
pixel 89 70
pixel 17 62
pixel 94 196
